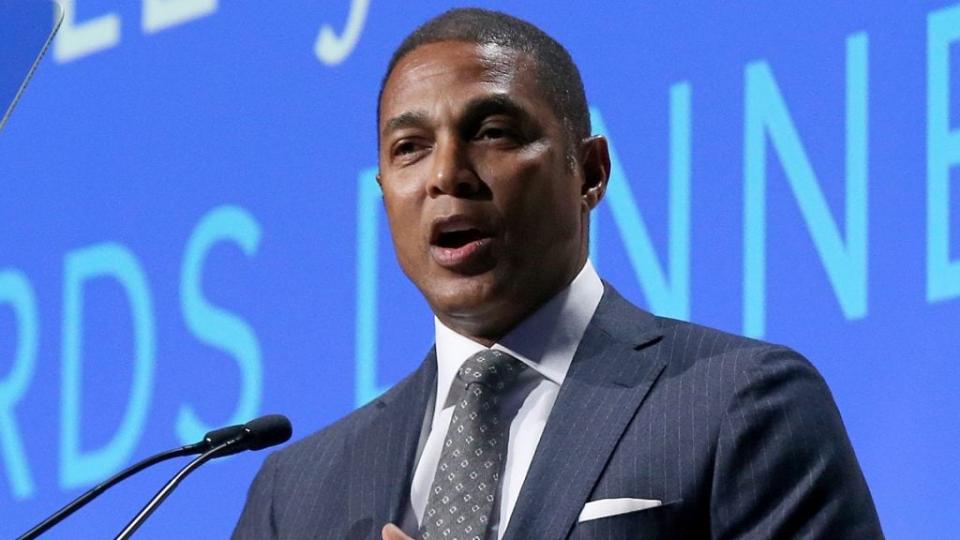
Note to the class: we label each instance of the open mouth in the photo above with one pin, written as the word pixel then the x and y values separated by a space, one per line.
pixel 462 244
pixel 460 238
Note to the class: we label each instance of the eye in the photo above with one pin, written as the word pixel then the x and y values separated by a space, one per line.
pixel 404 147
pixel 497 132
pixel 407 149
pixel 492 133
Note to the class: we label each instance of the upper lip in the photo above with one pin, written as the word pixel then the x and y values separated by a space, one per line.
pixel 459 223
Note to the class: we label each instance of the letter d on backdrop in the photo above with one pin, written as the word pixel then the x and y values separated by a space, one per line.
pixel 79 468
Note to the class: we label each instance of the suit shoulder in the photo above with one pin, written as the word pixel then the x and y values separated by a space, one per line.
pixel 695 342
pixel 730 368
pixel 623 320
pixel 689 347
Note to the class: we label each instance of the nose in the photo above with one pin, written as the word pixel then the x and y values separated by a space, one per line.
pixel 452 172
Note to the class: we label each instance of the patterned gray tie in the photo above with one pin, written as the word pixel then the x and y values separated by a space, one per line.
pixel 468 474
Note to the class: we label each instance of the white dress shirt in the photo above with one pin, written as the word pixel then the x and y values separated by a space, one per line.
pixel 546 342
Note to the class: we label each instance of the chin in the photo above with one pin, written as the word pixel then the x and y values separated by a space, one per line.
pixel 465 298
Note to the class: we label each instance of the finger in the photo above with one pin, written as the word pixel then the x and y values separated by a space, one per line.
pixel 392 532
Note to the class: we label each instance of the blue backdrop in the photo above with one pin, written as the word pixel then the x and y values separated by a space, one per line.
pixel 191 233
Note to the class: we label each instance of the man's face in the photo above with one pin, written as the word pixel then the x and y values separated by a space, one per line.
pixel 488 215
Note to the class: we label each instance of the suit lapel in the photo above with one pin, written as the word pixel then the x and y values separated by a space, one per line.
pixel 384 450
pixel 612 371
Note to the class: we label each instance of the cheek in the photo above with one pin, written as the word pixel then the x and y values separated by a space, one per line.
pixel 402 198
pixel 403 216
pixel 544 200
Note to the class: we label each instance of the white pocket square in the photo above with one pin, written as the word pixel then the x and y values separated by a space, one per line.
pixel 614 507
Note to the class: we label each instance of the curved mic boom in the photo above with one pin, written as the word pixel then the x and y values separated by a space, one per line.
pixel 256 434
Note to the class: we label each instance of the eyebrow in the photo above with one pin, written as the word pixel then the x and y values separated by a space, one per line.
pixel 476 109
pixel 481 107
pixel 405 120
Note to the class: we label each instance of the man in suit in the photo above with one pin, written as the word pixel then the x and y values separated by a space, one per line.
pixel 599 420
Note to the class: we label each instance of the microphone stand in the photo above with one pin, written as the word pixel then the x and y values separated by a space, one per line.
pixel 168 488
pixel 95 492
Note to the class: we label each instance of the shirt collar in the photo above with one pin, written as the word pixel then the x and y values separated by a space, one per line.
pixel 545 341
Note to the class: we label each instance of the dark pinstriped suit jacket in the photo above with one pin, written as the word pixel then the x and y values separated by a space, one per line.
pixel 738 438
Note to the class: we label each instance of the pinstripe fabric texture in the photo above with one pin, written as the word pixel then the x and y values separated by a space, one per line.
pixel 738 438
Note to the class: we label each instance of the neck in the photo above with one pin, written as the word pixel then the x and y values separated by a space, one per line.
pixel 493 324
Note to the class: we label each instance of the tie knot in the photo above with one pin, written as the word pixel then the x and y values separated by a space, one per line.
pixel 491 368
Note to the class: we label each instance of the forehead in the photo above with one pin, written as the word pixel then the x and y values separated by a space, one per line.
pixel 446 74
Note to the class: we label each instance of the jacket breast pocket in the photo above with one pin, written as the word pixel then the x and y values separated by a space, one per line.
pixel 660 522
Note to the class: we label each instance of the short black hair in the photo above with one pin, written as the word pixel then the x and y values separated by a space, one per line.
pixel 557 75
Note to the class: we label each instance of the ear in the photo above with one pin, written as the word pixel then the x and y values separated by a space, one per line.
pixel 595 164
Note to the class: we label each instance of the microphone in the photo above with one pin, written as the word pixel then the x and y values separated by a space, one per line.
pixel 211 440
pixel 230 440
pixel 256 434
